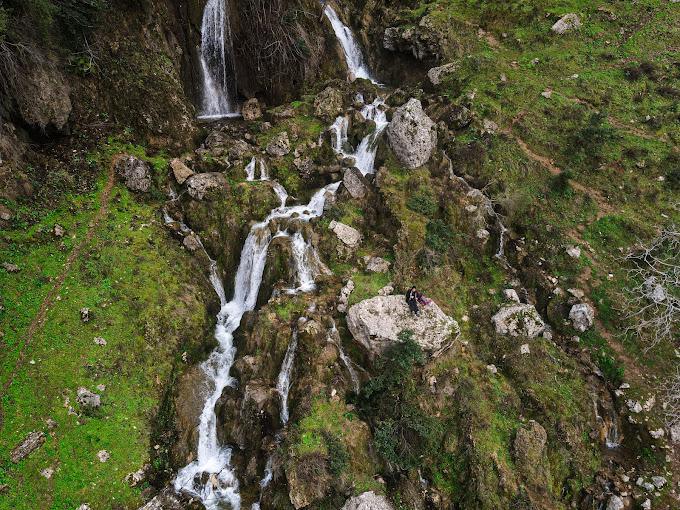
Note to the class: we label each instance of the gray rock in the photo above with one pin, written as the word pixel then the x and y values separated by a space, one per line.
pixel 5 213
pixel 135 173
pixel 191 242
pixel 489 126
pixel 180 170
pixel 168 499
pixel 376 323
pixel 251 109
pixel 615 503
pixel 103 456
pixel 44 100
pixel 85 314
pixel 460 117
pixel 511 295
pixel 10 268
pixel 201 185
pixel 518 320
pixel 437 74
pixel 279 145
pixel 355 183
pixel 659 481
pixel 582 316
pixel 376 264
pixel 88 400
pixel 367 501
pixel 573 251
pixel 328 103
pixel 421 41
pixel 349 236
pixel 412 134
pixel 31 443
pixel 58 230
pixel 566 23
pixel 529 452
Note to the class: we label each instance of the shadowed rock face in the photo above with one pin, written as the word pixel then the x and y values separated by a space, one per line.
pixel 376 323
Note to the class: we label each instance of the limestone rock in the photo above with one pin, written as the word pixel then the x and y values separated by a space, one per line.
pixel 85 314
pixel 368 501
pixel 376 323
pixel 328 103
pixel 460 117
pixel 376 264
pixel 412 134
pixel 355 183
pixel 566 23
pixel 615 503
pixel 31 443
pixel 168 499
pixel 511 295
pixel 135 173
pixel 10 268
pixel 88 400
pixel 5 213
pixel 582 316
pixel 58 231
pixel 200 185
pixel 251 109
pixel 103 455
pixel 518 320
pixel 420 41
pixel 349 236
pixel 573 251
pixel 44 100
pixel 180 170
pixel 437 74
pixel 191 242
pixel 279 145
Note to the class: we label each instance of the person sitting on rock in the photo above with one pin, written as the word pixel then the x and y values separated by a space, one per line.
pixel 412 300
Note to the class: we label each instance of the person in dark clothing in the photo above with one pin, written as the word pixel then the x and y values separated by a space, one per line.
pixel 412 300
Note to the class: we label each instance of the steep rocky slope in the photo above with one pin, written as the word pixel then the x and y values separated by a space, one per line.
pixel 503 165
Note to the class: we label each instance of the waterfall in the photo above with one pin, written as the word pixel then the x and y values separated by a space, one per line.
pixel 283 382
pixel 250 170
pixel 364 155
pixel 334 338
pixel 350 47
pixel 217 65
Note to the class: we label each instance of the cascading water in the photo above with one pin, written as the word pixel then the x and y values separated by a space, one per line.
pixel 217 65
pixel 284 380
pixel 350 47
pixel 334 338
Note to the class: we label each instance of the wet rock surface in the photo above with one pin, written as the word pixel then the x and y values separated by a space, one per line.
pixel 134 172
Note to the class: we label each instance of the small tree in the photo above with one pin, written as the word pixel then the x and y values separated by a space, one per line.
pixel 653 298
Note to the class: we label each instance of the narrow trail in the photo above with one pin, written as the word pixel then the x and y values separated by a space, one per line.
pixel 39 319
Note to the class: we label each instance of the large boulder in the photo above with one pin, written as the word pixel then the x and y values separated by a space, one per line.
pixel 251 109
pixel 201 185
pixel 349 236
pixel 134 172
pixel 518 320
pixel 44 100
pixel 376 323
pixel 180 170
pixel 412 134
pixel 437 74
pixel 566 23
pixel 529 452
pixel 368 501
pixel 279 145
pixel 328 103
pixel 355 183
pixel 582 316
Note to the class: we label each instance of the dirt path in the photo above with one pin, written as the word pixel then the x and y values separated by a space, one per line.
pixel 40 317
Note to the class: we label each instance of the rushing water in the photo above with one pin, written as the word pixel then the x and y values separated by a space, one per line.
pixel 217 65
pixel 350 47
pixel 334 337
pixel 284 380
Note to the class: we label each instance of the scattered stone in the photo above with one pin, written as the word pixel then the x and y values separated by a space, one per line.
pixel 103 455
pixel 574 251
pixel 492 368
pixel 355 183
pixel 615 503
pixel 577 293
pixel 349 236
pixel 518 320
pixel 99 340
pixel 32 442
pixel 659 481
pixel 201 185
pixel 47 472
pixel 85 314
pixel 191 242
pixel 460 117
pixel 646 504
pixel 377 322
pixel 135 173
pixel 376 264
pixel 547 335
pixel 566 23
pixel 547 93
pixel 88 400
pixel 489 126
pixel 279 145
pixel 634 406
pixel 84 506
pixel 58 230
pixel 387 290
pixel 367 501
pixel 511 295
pixel 11 268
pixel 101 387
pixel 582 317
pixel 5 213
pixel 180 170
pixel 649 403
pixel 524 349
pixel 137 477
pixel 412 134
pixel 654 291
pixel 51 424
pixel 437 74
pixel 658 433
pixel 328 103
pixel 483 235
pixel 343 298
pixel 251 109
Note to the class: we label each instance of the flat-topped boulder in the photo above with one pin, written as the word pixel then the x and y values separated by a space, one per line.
pixel 376 323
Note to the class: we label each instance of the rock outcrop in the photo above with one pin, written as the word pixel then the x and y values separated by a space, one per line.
pixel 518 320
pixel 328 103
pixel 44 100
pixel 437 74
pixel 279 145
pixel 376 323
pixel 201 185
pixel 566 23
pixel 349 236
pixel 582 316
pixel 251 109
pixel 32 442
pixel 134 172
pixel 180 170
pixel 355 183
pixel 412 134
pixel 368 501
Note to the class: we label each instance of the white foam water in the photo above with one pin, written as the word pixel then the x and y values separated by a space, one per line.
pixel 283 382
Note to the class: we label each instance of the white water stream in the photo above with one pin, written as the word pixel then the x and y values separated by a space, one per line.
pixel 284 380
pixel 217 66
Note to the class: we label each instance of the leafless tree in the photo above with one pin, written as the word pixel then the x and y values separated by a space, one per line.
pixel 671 400
pixel 653 296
